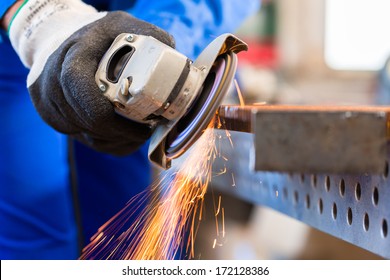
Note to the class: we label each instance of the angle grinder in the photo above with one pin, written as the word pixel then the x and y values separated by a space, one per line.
pixel 152 83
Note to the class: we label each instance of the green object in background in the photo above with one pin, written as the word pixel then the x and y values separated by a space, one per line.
pixel 268 14
pixel 262 26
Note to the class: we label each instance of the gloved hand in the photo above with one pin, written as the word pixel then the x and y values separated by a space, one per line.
pixel 63 42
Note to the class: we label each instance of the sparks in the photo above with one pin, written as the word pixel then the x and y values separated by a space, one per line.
pixel 233 181
pixel 239 93
pixel 161 223
pixel 171 216
pixel 223 171
pixel 219 206
pixel 223 222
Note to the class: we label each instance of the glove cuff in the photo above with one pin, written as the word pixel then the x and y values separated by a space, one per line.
pixel 40 27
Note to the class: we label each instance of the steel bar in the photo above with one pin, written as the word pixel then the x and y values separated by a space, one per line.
pixel 336 139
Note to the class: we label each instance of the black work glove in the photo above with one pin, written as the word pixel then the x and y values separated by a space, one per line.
pixel 63 43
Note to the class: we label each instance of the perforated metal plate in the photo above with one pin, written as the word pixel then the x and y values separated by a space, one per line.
pixel 353 208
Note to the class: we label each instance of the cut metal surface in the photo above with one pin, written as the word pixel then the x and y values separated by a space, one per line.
pixel 313 138
pixel 354 208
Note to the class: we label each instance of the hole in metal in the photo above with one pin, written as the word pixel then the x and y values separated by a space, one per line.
pixel 366 222
pixel 285 193
pixel 334 211
pixel 275 191
pixel 384 228
pixel 342 187
pixel 302 177
pixel 327 183
pixel 349 216
pixel 320 206
pixel 314 180
pixel 307 201
pixel 375 196
pixel 386 171
pixel 296 197
pixel 358 191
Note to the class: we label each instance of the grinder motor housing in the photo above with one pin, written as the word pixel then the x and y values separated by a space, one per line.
pixel 152 83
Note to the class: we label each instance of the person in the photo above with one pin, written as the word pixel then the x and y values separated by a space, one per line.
pixel 68 163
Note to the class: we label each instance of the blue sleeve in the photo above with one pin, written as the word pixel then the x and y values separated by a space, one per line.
pixel 195 23
pixel 4 5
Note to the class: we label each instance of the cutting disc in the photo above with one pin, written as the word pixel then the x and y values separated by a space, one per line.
pixel 191 126
pixel 213 73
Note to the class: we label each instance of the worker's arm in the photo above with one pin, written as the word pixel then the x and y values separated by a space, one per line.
pixel 195 23
pixel 7 11
pixel 62 42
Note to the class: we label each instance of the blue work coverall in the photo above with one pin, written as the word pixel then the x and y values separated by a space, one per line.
pixel 54 192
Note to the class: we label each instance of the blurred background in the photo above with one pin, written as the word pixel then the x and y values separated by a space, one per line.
pixel 316 52
pixel 302 52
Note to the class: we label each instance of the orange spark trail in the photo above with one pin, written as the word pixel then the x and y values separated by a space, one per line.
pixel 239 93
pixel 170 219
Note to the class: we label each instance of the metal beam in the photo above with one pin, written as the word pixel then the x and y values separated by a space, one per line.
pixel 340 139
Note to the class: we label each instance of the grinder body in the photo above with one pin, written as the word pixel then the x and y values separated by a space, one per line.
pixel 152 83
